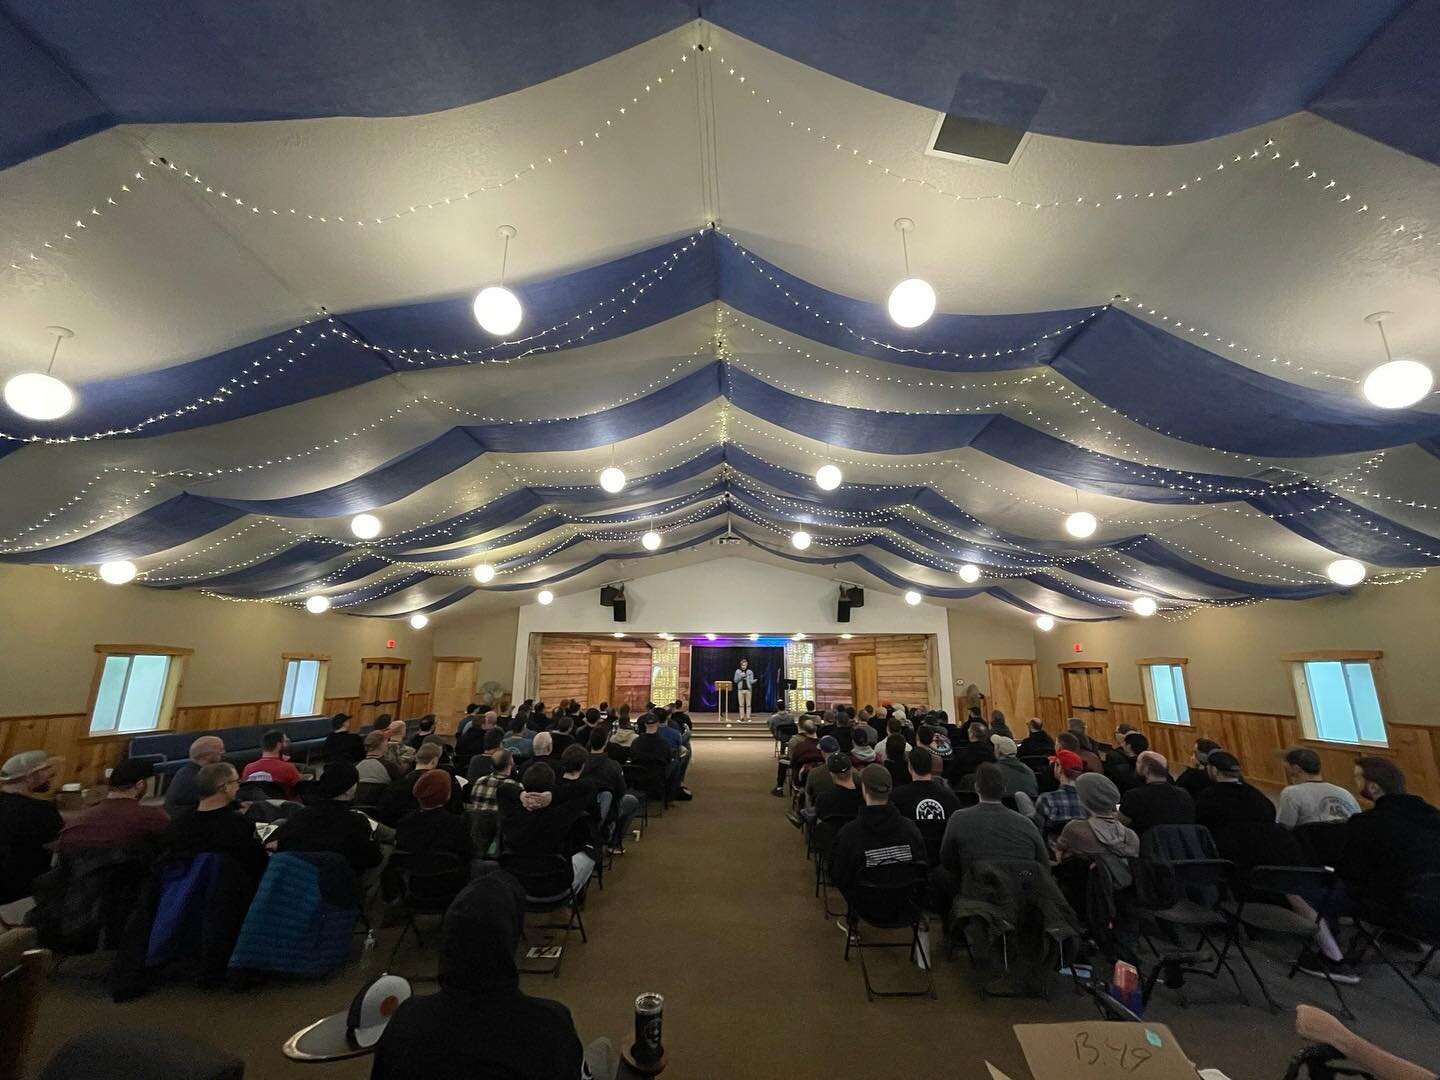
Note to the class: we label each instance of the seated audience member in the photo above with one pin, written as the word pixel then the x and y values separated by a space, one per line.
pixel 1157 800
pixel 28 823
pixel 1075 726
pixel 989 830
pixel 806 736
pixel 674 728
pixel 610 776
pixel 1089 759
pixel 1241 818
pixel 521 739
pixel 485 797
pixel 998 725
pixel 1120 762
pixel 428 828
pixel 182 793
pixel 542 751
pixel 480 762
pixel 975 751
pixel 541 819
pixel 652 747
pixel 879 836
pixel 1193 778
pixel 1099 834
pixel 842 798
pixel 818 779
pixel 927 797
pixel 216 825
pixel 1390 846
pixel 330 823
pixel 936 741
pixel 399 797
pixel 342 744
pixel 398 756
pixel 118 820
pixel 624 733
pixel 861 752
pixel 424 728
pixel 1054 808
pixel 474 741
pixel 562 735
pixel 274 764
pixel 1307 798
pixel 373 768
pixel 1037 742
pixel 472 714
pixel 523 1037
pixel 1019 777
pixel 896 760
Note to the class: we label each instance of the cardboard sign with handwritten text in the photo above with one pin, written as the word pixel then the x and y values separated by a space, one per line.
pixel 1103 1050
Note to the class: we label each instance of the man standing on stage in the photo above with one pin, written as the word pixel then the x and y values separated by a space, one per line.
pixel 744 682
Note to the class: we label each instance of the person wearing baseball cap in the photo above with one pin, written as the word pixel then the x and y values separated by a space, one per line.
pixel 843 798
pixel 1054 808
pixel 1242 818
pixel 879 837
pixel 118 820
pixel 1018 775
pixel 28 823
pixel 330 823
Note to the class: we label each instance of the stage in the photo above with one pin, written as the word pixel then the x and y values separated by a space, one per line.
pixel 708 725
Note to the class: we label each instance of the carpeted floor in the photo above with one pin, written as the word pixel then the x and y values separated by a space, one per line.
pixel 714 909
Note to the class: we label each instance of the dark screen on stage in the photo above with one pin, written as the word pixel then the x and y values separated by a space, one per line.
pixel 711 662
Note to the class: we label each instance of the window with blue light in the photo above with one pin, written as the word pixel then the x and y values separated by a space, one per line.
pixel 1340 701
pixel 1165 696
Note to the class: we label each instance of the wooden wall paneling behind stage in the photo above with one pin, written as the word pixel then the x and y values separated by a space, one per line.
pixel 66 735
pixel 565 669
pixel 902 668
pixel 1258 739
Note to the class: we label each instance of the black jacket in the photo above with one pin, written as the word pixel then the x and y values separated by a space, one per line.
pixel 330 826
pixel 1037 744
pixel 546 831
pixel 1388 847
pixel 878 836
pixel 344 746
pixel 519 1038
pixel 421 832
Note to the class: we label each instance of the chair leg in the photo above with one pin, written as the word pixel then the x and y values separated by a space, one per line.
pixel 395 951
pixel 576 920
pixel 1414 989
pixel 1423 964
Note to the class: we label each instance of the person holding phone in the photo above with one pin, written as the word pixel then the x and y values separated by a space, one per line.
pixel 744 682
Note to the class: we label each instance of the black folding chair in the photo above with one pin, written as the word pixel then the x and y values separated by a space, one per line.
pixel 648 777
pixel 783 734
pixel 821 839
pixel 1198 891
pixel 548 881
pixel 1416 917
pixel 428 882
pixel 1314 884
pixel 888 898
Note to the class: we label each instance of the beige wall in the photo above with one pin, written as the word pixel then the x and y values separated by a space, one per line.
pixel 49 625
pixel 977 635
pixel 1234 653
pixel 489 635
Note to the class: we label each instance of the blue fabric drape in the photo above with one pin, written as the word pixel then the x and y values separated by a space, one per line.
pixel 711 662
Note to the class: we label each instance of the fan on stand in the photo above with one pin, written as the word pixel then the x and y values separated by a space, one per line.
pixel 490 693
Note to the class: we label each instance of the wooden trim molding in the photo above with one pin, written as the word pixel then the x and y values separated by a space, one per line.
pixel 1014 661
pixel 1151 661
pixel 1083 664
pixel 147 650
pixel 304 656
pixel 456 659
pixel 383 660
pixel 1332 654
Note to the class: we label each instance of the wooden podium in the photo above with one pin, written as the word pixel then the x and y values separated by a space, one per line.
pixel 722 692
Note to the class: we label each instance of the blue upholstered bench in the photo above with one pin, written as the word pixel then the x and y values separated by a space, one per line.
pixel 171 749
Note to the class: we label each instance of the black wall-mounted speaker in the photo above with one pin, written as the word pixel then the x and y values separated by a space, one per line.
pixel 609 594
pixel 619 609
pixel 851 596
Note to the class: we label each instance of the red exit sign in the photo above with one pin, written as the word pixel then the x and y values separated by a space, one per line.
pixel 391 644
pixel 1078 647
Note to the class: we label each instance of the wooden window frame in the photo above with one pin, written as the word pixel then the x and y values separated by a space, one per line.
pixel 285 658
pixel 1304 716
pixel 174 680
pixel 1183 663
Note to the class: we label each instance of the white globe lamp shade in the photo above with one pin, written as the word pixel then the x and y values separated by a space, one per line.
pixel 709 637
pixel 912 597
pixel 1398 383
pixel 828 477
pixel 546 597
pixel 1346 572
pixel 754 637
pixel 37 396
pixel 365 526
pixel 912 302
pixel 1144 605
pixel 317 605
pixel 650 541
pixel 119 572
pixel 1045 623
pixel 498 310
pixel 419 621
pixel 1081 524
pixel 800 539
pixel 484 573
pixel 969 573
pixel 612 479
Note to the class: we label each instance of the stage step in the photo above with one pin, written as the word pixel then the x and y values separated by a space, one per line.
pixel 710 728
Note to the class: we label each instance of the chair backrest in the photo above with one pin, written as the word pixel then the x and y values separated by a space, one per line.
pixel 430 880
pixel 888 896
pixel 120 1053
pixel 545 878
pixel 933 831
pixel 368 793
pixel 1322 841
pixel 824 831
pixel 1169 843
pixel 1308 881
pixel 785 732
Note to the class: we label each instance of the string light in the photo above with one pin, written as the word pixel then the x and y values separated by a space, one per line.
pixel 82 225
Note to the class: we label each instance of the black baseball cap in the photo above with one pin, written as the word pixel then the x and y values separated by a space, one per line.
pixel 1223 761
pixel 838 762
pixel 131 771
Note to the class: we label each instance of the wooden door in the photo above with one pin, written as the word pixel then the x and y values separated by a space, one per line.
pixel 602 678
pixel 863 681
pixel 382 688
pixel 453 687
pixel 1014 690
pixel 1087 695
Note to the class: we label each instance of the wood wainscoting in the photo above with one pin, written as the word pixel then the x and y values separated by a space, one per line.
pixel 902 669
pixel 564 669
pixel 66 735
pixel 1258 739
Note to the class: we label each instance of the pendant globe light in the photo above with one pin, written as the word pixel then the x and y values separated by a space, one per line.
pixel 969 573
pixel 365 526
pixel 1395 383
pixel 612 477
pixel 911 302
pixel 828 477
pixel 912 597
pixel 39 395
pixel 317 605
pixel 545 597
pixel 651 540
pixel 800 539
pixel 1081 523
pixel 484 573
pixel 419 621
pixel 1144 605
pixel 118 572
pixel 1045 623
pixel 1343 572
pixel 497 309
